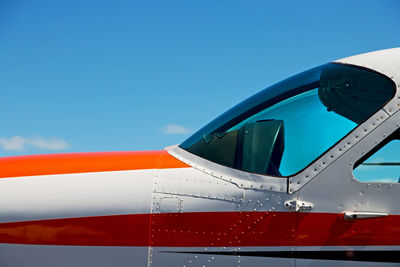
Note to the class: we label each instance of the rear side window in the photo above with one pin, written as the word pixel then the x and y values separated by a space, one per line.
pixel 382 165
pixel 297 121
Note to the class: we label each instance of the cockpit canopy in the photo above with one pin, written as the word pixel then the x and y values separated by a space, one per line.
pixel 285 127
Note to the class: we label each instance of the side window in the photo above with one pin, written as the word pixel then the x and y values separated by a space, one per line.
pixel 382 165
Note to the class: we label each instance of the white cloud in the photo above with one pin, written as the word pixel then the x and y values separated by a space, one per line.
pixel 175 129
pixel 49 143
pixel 19 143
pixel 15 143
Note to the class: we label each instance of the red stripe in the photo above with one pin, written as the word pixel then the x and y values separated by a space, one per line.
pixel 86 162
pixel 117 230
pixel 167 229
pixel 219 229
pixel 328 229
pixel 200 229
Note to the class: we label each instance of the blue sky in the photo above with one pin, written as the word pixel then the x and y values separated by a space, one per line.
pixel 129 75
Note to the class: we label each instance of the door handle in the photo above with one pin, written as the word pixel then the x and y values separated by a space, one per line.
pixel 355 215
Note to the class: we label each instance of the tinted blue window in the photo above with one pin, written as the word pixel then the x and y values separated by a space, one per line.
pixel 382 167
pixel 282 129
pixel 309 129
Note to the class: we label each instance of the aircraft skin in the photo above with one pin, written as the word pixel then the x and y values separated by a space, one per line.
pixel 174 208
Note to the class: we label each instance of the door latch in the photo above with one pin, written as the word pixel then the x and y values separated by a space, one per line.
pixel 355 215
pixel 298 205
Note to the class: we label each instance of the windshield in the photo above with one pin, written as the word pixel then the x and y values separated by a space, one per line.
pixel 282 129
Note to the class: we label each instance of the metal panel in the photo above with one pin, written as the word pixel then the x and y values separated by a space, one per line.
pixel 202 194
pixel 239 178
pixel 221 256
pixel 335 191
pixel 71 256
pixel 335 263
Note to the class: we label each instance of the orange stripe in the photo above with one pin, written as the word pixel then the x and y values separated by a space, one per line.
pixel 86 162
pixel 167 161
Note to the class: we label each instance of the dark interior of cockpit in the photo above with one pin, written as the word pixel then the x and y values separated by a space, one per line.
pixel 256 147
